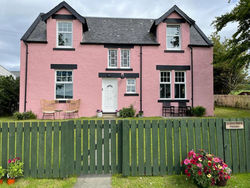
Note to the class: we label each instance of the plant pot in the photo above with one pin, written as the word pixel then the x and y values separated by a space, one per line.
pixel 117 114
pixel 10 181
pixel 1 181
pixel 221 183
pixel 99 114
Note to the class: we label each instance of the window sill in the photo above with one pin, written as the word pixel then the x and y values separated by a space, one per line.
pixel 173 51
pixel 131 94
pixel 65 49
pixel 173 100
pixel 119 69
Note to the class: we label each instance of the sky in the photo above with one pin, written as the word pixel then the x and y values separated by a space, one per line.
pixel 16 16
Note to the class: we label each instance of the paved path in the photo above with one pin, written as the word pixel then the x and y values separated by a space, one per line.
pixel 94 181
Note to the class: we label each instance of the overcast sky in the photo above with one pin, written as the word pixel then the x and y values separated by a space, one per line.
pixel 16 16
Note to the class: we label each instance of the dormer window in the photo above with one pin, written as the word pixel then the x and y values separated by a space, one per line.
pixel 173 37
pixel 64 34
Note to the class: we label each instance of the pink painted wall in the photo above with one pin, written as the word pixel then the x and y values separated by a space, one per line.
pixel 92 59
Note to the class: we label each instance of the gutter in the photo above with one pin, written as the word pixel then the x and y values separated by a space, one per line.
pixel 26 73
pixel 141 111
pixel 192 77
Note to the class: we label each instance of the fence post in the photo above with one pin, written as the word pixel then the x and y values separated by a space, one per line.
pixel 125 148
pixel 120 144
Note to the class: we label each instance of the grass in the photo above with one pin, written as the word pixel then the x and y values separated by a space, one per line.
pixel 229 112
pixel 180 181
pixel 48 183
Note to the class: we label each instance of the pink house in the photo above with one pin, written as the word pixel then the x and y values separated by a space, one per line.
pixel 111 63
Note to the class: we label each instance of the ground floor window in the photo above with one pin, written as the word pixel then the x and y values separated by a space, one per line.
pixel 64 84
pixel 131 83
pixel 165 84
pixel 180 85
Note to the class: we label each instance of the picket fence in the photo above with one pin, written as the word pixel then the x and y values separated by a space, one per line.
pixel 60 149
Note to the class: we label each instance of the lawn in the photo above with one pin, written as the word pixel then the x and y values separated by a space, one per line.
pixel 231 112
pixel 48 183
pixel 226 112
pixel 238 180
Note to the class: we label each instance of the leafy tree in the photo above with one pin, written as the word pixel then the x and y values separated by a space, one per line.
pixel 228 73
pixel 9 95
pixel 239 44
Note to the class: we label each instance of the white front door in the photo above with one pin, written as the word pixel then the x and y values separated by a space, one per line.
pixel 109 94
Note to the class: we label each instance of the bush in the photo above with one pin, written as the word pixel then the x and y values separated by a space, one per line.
pixel 127 112
pixel 24 115
pixel 198 111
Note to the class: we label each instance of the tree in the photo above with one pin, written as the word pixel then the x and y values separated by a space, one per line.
pixel 239 44
pixel 9 95
pixel 228 75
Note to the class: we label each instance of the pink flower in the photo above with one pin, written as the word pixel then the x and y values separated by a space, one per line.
pixel 186 161
pixel 18 158
pixel 191 154
pixel 199 165
pixel 9 161
pixel 216 159
pixel 14 160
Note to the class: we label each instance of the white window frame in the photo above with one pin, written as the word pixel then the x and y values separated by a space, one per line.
pixel 134 85
pixel 116 58
pixel 173 35
pixel 72 82
pixel 166 83
pixel 181 83
pixel 121 58
pixel 57 32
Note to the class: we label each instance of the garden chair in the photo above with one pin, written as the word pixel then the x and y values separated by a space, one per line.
pixel 167 108
pixel 72 108
pixel 48 108
pixel 183 109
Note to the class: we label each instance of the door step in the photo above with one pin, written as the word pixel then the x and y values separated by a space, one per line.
pixel 109 115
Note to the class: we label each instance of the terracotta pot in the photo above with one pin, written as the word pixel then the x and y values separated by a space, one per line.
pixel 221 183
pixel 1 181
pixel 10 181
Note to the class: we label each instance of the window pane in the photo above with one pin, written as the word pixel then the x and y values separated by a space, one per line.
pixel 60 91
pixel 65 39
pixel 68 91
pixel 165 76
pixel 173 42
pixel 179 90
pixel 112 58
pixel 164 90
pixel 173 30
pixel 125 58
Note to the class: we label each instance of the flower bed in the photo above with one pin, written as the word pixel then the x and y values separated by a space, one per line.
pixel 206 169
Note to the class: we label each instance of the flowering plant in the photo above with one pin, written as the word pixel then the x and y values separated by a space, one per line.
pixel 15 168
pixel 98 111
pixel 2 172
pixel 205 169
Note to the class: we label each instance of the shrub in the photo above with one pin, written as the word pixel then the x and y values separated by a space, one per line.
pixel 15 168
pixel 198 111
pixel 2 172
pixel 24 115
pixel 127 112
pixel 205 169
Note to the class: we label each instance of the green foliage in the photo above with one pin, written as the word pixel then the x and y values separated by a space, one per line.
pixel 127 112
pixel 239 44
pixel 2 172
pixel 15 168
pixel 198 111
pixel 24 115
pixel 9 95
pixel 228 73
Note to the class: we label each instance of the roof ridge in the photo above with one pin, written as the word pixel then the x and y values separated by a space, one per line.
pixel 119 18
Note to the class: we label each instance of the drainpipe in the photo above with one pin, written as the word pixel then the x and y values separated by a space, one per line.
pixel 192 77
pixel 141 79
pixel 26 70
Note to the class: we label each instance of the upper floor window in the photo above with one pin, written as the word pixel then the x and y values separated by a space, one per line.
pixel 64 34
pixel 165 84
pixel 180 85
pixel 125 58
pixel 112 58
pixel 173 37
pixel 64 84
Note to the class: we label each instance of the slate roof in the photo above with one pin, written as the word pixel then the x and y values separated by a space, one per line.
pixel 116 30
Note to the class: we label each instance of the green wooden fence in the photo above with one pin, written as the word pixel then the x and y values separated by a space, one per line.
pixel 60 149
